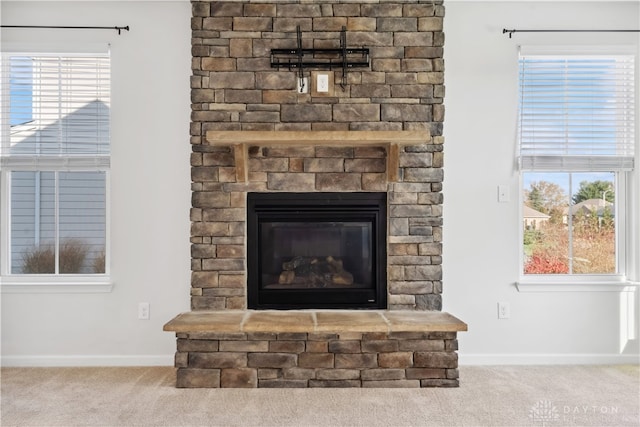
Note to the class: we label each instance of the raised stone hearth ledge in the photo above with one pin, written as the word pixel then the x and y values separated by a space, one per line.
pixel 315 348
pixel 315 321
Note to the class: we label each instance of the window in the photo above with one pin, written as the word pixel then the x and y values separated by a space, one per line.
pixel 55 157
pixel 576 150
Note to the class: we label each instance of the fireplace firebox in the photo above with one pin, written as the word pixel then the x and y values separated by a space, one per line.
pixel 316 250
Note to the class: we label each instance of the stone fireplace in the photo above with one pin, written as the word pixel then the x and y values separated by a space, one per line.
pixel 256 137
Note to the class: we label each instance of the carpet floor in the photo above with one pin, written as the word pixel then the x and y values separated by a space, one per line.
pixel 488 396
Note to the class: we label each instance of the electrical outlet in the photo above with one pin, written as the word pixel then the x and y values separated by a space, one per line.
pixel 504 310
pixel 302 86
pixel 323 83
pixel 143 311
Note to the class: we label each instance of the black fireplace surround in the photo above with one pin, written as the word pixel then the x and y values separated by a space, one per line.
pixel 317 250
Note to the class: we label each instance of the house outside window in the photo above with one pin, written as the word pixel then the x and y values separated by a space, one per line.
pixel 55 158
pixel 576 151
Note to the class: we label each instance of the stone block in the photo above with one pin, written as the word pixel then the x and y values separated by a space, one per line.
pixel 217 24
pixel 232 80
pixel 381 9
pixel 344 346
pixel 273 80
pixel 259 9
pixel 317 346
pixel 324 165
pixel 406 112
pixel 207 303
pixel 355 23
pixel 230 251
pixel 268 374
pixel 391 384
pixel 239 378
pixel 282 383
pixel 395 359
pixel 338 182
pixel 412 39
pixel 186 345
pixel 218 64
pixel 244 346
pixel 423 52
pixel 299 10
pixel 453 373
pixel 365 165
pixel 423 272
pixel 197 378
pixel 226 9
pixel 227 264
pixel 217 360
pixel 378 346
pixel 374 181
pixel 338 374
pixel 298 373
pixel 425 373
pixel 244 23
pixel 287 346
pixel 291 336
pixel 397 24
pixel 329 23
pixel 421 345
pixel 439 383
pixel 271 360
pixel 337 152
pixel 429 302
pixel 356 112
pixel 356 361
pixel 181 360
pixel 232 280
pixel 288 25
pixel 334 383
pixel 204 279
pixel 382 374
pixel 275 164
pixel 430 359
pixel 376 90
pixel 306 112
pixel 316 360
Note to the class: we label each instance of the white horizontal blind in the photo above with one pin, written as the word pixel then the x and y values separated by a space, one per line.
pixel 57 109
pixel 576 112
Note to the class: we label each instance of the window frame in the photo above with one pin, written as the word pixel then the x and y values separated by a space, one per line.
pixel 624 183
pixel 51 283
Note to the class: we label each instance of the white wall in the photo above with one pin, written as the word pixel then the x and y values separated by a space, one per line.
pixel 150 191
pixel 481 245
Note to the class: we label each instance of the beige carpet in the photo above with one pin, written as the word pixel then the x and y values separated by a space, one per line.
pixel 488 396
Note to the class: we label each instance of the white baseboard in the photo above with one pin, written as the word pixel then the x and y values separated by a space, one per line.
pixel 83 360
pixel 548 359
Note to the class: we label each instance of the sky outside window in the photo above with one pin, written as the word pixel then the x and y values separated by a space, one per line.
pixel 21 90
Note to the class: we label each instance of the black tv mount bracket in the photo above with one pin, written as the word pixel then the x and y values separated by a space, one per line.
pixel 326 59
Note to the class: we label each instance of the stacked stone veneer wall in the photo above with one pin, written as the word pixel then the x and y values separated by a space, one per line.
pixel 397 359
pixel 235 88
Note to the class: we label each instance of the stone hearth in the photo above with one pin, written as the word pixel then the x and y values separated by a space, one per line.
pixel 316 349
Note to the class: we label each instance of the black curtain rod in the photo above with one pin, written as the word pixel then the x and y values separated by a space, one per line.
pixel 118 29
pixel 504 31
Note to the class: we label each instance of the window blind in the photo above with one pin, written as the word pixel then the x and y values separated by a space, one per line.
pixel 56 108
pixel 576 112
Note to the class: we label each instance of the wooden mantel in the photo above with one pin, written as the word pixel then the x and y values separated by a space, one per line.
pixel 240 140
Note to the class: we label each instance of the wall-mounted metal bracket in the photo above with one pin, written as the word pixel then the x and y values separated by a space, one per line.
pixel 326 59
